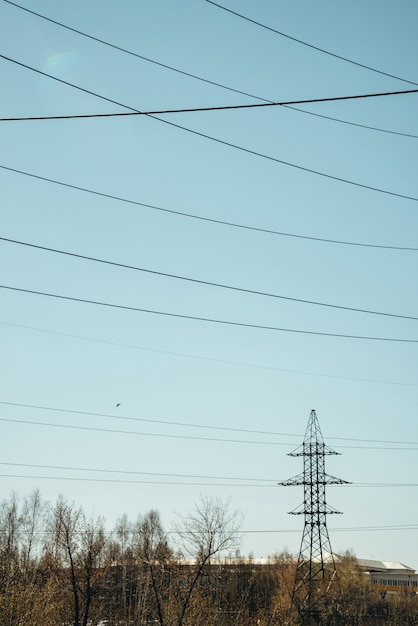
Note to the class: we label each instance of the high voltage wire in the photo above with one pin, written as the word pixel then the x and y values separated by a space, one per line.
pixel 232 107
pixel 205 282
pixel 199 426
pixel 190 437
pixel 109 471
pixel 189 476
pixel 152 421
pixel 144 434
pixel 340 121
pixel 156 482
pixel 204 218
pixel 209 359
pixel 220 141
pixel 200 78
pixel 132 532
pixel 205 319
pixel 131 53
pixel 401 527
pixel 326 117
pixel 304 43
pixel 133 482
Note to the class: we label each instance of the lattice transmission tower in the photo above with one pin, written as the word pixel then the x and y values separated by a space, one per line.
pixel 316 565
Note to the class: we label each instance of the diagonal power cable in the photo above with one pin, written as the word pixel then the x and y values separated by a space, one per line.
pixel 308 45
pixel 205 80
pixel 206 282
pixel 198 318
pixel 221 141
pixel 203 218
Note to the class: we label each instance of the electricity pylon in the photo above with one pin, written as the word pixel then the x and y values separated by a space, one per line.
pixel 316 565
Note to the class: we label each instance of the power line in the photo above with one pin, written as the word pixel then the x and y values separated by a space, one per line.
pixel 289 164
pixel 191 425
pixel 200 78
pixel 189 437
pixel 317 48
pixel 149 482
pixel 133 54
pixel 205 319
pixel 151 421
pixel 188 476
pixel 385 485
pixel 400 527
pixel 205 282
pixel 209 359
pixel 145 434
pixel 326 117
pixel 231 107
pixel 133 482
pixel 205 218
pixel 340 121
pixel 136 473
pixel 221 141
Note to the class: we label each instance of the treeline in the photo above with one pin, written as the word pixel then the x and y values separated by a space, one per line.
pixel 59 568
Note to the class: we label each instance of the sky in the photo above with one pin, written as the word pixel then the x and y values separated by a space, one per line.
pixel 145 404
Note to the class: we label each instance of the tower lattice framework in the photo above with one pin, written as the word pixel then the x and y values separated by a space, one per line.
pixel 316 565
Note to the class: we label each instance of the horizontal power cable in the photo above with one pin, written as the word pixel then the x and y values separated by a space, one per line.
pixel 146 434
pixel 200 78
pixel 198 426
pixel 189 437
pixel 205 319
pixel 99 115
pixel 136 473
pixel 401 527
pixel 205 218
pixel 349 123
pixel 131 532
pixel 313 47
pixel 221 141
pixel 208 359
pixel 206 282
pixel 385 485
pixel 152 482
pixel 149 420
pixel 230 107
pixel 173 475
pixel 134 482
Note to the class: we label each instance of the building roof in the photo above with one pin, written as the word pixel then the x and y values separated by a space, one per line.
pixel 384 566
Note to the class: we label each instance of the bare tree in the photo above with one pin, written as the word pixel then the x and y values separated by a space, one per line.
pixel 153 552
pixel 21 524
pixel 78 550
pixel 32 520
pixel 122 548
pixel 209 530
pixel 10 593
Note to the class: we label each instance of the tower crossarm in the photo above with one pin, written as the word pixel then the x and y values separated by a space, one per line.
pixel 316 512
pixel 333 480
pixel 313 449
pixel 302 479
pixel 292 482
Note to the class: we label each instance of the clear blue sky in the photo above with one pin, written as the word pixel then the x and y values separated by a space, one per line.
pixel 75 356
